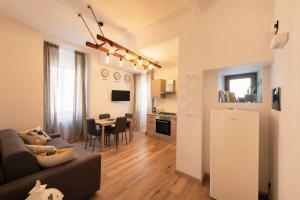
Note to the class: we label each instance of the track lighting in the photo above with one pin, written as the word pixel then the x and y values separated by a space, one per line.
pixel 110 47
pixel 107 58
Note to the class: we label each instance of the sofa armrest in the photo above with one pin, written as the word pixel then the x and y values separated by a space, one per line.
pixel 76 179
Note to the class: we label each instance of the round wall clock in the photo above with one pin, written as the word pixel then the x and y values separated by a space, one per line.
pixel 117 76
pixel 127 78
pixel 104 73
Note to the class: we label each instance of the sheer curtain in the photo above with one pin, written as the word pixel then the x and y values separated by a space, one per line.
pixel 142 102
pixel 66 95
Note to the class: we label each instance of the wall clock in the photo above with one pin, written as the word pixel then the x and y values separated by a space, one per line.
pixel 104 73
pixel 117 76
pixel 126 78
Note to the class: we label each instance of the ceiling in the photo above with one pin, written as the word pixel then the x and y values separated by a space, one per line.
pixel 122 18
pixel 166 52
pixel 134 15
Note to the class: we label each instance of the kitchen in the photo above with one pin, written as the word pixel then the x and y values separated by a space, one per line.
pixel 162 121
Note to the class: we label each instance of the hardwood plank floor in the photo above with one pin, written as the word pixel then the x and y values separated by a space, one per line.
pixel 145 169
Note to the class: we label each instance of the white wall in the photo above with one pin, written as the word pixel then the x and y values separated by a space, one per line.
pixel 21 76
pixel 210 95
pixel 168 104
pixel 285 131
pixel 100 90
pixel 229 33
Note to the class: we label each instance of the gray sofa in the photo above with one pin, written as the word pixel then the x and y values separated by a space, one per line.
pixel 19 170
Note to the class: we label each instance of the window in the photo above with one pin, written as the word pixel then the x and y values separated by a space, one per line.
pixel 62 82
pixel 241 84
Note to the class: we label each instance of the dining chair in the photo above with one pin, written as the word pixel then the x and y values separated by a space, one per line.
pixel 129 116
pixel 120 127
pixel 107 128
pixel 92 131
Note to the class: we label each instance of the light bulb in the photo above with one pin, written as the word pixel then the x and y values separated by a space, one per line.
pixel 140 62
pixel 121 62
pixel 128 56
pixel 107 59
pixel 145 71
pixel 111 49
pixel 150 66
pixel 135 66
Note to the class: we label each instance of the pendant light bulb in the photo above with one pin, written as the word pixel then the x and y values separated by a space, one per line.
pixel 140 62
pixel 121 62
pixel 145 71
pixel 135 66
pixel 150 66
pixel 107 59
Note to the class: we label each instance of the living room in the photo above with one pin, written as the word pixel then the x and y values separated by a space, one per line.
pixel 197 44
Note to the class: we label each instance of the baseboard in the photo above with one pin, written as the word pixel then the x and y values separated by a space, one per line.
pixel 188 176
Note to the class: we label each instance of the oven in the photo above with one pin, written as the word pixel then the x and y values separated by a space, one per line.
pixel 163 125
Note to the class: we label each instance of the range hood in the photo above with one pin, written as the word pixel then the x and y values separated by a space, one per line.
pixel 170 86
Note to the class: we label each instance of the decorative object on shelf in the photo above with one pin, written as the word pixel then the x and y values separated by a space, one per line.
pixel 117 76
pixel 105 73
pixel 251 95
pixel 110 47
pixel 126 78
pixel 39 192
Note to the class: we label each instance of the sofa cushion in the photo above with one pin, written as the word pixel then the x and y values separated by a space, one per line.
pixel 17 160
pixel 59 143
pixel 57 158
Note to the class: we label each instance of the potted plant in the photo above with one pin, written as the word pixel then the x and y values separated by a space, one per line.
pixel 251 95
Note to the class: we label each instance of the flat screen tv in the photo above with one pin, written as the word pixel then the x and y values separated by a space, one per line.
pixel 120 95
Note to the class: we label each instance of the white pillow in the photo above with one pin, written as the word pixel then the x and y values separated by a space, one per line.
pixel 38 149
pixel 61 156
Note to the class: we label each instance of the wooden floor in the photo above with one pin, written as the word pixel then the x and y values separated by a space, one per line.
pixel 145 169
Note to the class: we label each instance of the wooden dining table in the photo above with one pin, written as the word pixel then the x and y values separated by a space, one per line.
pixel 108 122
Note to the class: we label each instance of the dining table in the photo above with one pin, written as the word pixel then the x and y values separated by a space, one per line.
pixel 109 122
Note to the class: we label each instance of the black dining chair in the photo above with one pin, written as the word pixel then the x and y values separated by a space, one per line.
pixel 120 127
pixel 107 128
pixel 92 131
pixel 128 123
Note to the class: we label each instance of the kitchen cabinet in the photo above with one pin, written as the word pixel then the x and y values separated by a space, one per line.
pixel 158 86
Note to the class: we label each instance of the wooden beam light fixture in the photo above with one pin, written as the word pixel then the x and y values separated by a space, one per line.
pixel 110 47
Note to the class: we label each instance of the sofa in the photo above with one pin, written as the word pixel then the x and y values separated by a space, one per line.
pixel 19 170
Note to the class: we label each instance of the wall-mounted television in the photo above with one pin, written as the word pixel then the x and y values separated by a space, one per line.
pixel 120 95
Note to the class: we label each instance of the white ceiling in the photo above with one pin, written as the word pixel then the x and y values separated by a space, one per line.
pixel 166 52
pixel 134 15
pixel 122 18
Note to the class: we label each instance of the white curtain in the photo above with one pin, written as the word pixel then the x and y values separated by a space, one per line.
pixel 141 102
pixel 67 95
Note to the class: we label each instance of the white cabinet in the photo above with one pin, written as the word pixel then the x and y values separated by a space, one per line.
pixel 234 154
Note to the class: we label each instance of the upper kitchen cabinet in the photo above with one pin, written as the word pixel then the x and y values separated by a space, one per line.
pixel 158 87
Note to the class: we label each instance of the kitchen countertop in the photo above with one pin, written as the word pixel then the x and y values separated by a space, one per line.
pixel 157 114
